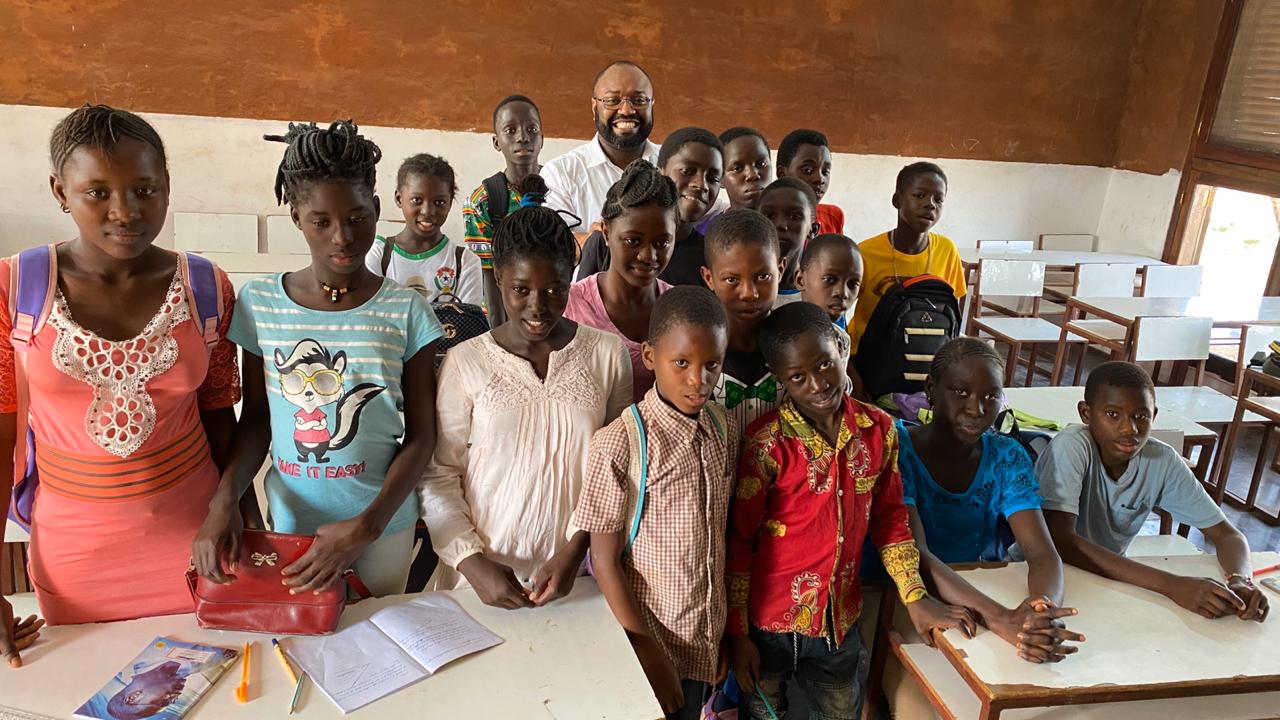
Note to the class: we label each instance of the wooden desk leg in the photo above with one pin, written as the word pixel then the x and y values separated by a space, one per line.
pixel 1227 450
pixel 1201 468
pixel 1060 359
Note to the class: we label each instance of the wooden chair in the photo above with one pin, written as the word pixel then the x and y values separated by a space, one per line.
pixel 1172 339
pixel 1094 280
pixel 1006 246
pixel 1266 405
pixel 1098 280
pixel 1013 279
pixel 13 569
pixel 1172 281
pixel 1254 338
pixel 216 232
pixel 1072 243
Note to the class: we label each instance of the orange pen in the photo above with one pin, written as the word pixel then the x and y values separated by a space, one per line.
pixel 242 691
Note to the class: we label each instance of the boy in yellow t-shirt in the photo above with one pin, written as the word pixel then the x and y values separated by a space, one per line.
pixel 909 249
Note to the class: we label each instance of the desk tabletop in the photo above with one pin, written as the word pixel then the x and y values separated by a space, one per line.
pixel 1136 640
pixel 570 660
pixel 1059 404
pixel 1058 258
pixel 1226 311
pixel 964 705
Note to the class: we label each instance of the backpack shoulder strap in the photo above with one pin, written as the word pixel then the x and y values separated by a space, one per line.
pixel 32 280
pixel 639 470
pixel 388 247
pixel 718 415
pixel 205 293
pixel 495 187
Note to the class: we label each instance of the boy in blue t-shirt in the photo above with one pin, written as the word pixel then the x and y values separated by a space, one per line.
pixel 1101 480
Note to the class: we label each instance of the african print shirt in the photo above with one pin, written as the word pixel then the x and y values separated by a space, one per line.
pixel 800 513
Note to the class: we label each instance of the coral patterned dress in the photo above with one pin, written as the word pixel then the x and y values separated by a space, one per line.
pixel 125 470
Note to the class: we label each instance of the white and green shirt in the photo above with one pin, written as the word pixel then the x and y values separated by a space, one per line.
pixel 433 272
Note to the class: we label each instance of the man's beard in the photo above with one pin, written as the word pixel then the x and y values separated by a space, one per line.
pixel 629 142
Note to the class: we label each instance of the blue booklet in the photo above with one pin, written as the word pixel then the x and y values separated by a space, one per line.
pixel 164 681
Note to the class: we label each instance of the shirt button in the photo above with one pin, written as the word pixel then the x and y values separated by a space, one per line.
pixel 840 538
pixel 840 492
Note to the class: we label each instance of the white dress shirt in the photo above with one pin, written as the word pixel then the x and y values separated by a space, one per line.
pixel 579 180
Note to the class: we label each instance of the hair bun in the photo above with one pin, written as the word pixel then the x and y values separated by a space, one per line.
pixel 533 191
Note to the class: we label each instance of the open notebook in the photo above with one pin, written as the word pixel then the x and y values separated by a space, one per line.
pixel 396 647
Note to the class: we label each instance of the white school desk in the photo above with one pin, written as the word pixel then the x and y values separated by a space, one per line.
pixel 1057 259
pixel 1226 310
pixel 1144 656
pixel 569 660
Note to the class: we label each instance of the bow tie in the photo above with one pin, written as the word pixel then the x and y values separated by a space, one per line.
pixel 735 393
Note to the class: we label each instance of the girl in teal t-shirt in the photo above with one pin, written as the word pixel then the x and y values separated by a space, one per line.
pixel 339 381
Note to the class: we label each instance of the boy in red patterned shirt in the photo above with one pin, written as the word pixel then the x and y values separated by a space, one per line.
pixel 816 477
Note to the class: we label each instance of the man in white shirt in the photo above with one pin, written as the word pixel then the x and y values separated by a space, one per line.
pixel 622 103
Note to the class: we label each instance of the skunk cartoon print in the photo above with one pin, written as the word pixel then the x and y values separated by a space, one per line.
pixel 312 379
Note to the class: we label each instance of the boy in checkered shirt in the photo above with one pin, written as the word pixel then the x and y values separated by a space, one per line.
pixel 656 496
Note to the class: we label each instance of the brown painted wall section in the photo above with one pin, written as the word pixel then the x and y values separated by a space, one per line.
pixel 1091 82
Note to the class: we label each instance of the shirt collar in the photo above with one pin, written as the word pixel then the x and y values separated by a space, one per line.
pixel 667 416
pixel 794 425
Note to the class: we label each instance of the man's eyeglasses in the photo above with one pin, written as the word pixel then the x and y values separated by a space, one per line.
pixel 613 102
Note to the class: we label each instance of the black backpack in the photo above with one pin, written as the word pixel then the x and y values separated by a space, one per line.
pixel 906 329
pixel 495 186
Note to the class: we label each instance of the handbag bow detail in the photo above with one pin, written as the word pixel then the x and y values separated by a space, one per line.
pixel 259 559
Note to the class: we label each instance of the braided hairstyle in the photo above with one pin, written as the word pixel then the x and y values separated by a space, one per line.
pixel 100 126
pixel 641 185
pixel 316 154
pixel 535 231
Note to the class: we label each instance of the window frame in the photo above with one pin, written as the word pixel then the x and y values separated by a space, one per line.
pixel 1217 165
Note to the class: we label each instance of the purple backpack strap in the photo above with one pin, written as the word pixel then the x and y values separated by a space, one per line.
pixel 206 294
pixel 31 285
pixel 32 282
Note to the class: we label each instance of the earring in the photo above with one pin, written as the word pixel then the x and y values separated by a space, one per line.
pixel 66 209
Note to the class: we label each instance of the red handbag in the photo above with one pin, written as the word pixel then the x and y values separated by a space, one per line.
pixel 258 600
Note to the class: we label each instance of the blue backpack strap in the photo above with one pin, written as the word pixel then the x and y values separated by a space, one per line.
pixel 205 293
pixel 33 279
pixel 644 478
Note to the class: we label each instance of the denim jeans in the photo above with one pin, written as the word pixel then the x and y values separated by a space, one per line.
pixel 830 677
pixel 695 695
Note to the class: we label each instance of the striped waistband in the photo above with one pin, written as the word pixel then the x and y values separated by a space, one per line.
pixel 107 478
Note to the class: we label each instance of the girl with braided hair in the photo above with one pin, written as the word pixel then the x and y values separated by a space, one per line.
pixel 129 395
pixel 693 159
pixel 518 406
pixel 339 382
pixel 640 215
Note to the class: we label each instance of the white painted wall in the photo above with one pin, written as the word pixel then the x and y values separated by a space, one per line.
pixel 222 165
pixel 1136 215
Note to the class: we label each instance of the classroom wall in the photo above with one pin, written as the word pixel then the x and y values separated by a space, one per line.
pixel 1083 82
pixel 222 165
